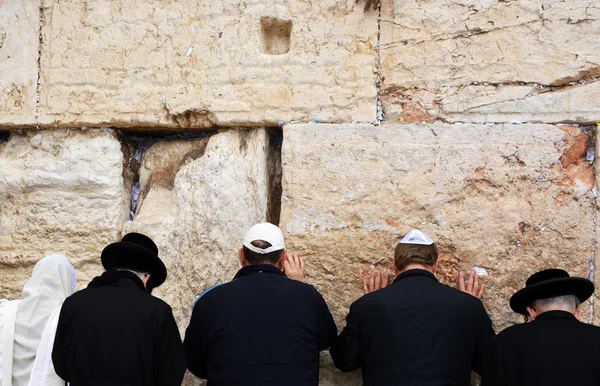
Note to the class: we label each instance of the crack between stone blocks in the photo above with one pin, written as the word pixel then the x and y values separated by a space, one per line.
pixel 592 263
pixel 379 107
pixel 39 66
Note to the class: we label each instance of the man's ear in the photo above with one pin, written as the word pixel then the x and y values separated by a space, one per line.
pixel 243 261
pixel 145 280
pixel 578 314
pixel 396 270
pixel 532 313
pixel 282 260
pixel 434 267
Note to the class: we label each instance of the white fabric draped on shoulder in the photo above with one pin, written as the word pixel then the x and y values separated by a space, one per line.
pixel 8 315
pixel 52 280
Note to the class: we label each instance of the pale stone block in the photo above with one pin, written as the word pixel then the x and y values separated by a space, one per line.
pixel 451 49
pixel 509 199
pixel 62 192
pixel 196 64
pixel 19 45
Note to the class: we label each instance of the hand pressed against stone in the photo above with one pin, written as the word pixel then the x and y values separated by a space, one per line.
pixel 376 281
pixel 472 287
pixel 293 266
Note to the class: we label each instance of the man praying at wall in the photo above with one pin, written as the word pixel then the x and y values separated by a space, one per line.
pixel 114 332
pixel 28 326
pixel 554 349
pixel 265 327
pixel 415 331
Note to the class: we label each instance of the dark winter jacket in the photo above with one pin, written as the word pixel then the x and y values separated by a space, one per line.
pixel 260 329
pixel 115 333
pixel 553 350
pixel 415 332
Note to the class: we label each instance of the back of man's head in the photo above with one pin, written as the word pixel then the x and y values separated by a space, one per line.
pixel 567 303
pixel 257 258
pixel 409 254
pixel 263 244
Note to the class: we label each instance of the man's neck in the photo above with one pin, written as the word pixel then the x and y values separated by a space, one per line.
pixel 428 268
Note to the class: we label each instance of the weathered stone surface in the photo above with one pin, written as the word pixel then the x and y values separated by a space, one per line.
pixel 197 63
pixel 510 199
pixel 19 37
pixel 478 104
pixel 60 192
pixel 487 60
pixel 197 199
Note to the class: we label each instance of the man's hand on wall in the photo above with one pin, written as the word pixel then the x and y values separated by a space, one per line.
pixel 472 287
pixel 376 281
pixel 293 266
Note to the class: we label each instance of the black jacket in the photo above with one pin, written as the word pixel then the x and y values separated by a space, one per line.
pixel 553 350
pixel 260 329
pixel 115 333
pixel 414 332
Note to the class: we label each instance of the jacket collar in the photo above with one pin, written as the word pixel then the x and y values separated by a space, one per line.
pixel 415 272
pixel 117 279
pixel 555 315
pixel 258 268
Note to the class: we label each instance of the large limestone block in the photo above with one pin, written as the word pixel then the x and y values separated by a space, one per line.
pixel 197 199
pixel 435 53
pixel 509 199
pixel 19 45
pixel 197 63
pixel 63 192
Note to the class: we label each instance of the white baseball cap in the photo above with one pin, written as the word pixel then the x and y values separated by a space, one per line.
pixel 416 237
pixel 267 232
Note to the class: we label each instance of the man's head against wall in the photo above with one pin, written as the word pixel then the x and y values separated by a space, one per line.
pixel 416 250
pixel 263 244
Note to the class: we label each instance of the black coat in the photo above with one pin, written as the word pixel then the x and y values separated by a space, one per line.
pixel 553 350
pixel 260 329
pixel 115 333
pixel 414 332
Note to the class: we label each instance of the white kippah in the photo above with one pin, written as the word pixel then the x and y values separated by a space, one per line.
pixel 267 232
pixel 416 237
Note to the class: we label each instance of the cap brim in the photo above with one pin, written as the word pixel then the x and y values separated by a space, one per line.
pixel 135 257
pixel 580 287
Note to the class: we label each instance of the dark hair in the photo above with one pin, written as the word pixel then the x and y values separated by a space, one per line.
pixel 256 258
pixel 407 254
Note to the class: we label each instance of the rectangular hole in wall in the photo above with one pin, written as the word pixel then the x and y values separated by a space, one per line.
pixel 275 35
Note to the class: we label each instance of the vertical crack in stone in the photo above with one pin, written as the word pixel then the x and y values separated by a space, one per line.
pixel 379 116
pixel 274 176
pixel 39 65
pixel 592 267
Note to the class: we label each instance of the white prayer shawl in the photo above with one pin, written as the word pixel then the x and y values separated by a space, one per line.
pixel 8 315
pixel 42 373
pixel 52 280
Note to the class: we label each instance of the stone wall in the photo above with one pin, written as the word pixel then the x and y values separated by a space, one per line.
pixel 346 123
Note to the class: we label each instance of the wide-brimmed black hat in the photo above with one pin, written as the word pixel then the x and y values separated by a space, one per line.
pixel 550 283
pixel 136 252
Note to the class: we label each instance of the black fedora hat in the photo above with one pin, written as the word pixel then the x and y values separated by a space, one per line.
pixel 136 252
pixel 550 283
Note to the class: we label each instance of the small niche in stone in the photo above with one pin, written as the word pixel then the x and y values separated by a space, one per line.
pixel 275 36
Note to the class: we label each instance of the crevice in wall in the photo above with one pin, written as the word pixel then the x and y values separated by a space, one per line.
pixel 39 65
pixel 4 135
pixel 380 115
pixel 592 265
pixel 133 146
pixel 274 176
